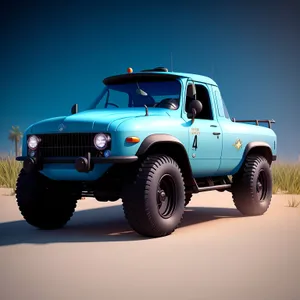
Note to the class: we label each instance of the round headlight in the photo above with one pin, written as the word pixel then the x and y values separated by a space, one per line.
pixel 100 141
pixel 32 142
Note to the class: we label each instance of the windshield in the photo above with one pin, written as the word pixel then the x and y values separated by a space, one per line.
pixel 138 94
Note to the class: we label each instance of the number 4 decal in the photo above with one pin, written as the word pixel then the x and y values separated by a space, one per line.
pixel 195 142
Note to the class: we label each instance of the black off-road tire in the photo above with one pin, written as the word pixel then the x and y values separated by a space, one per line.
pixel 44 203
pixel 188 198
pixel 252 187
pixel 143 199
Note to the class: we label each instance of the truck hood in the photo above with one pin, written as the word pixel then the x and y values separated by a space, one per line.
pixel 93 120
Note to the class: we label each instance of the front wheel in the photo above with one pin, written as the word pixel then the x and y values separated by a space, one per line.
pixel 188 198
pixel 44 203
pixel 252 187
pixel 154 203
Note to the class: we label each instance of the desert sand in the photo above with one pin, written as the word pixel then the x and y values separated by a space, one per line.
pixel 215 254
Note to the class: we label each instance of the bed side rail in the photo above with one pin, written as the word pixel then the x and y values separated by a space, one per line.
pixel 257 122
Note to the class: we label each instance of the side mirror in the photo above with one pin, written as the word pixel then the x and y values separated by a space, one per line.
pixel 194 109
pixel 74 109
pixel 141 92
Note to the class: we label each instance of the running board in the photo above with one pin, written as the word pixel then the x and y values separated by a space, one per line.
pixel 214 188
pixel 210 187
pixel 196 189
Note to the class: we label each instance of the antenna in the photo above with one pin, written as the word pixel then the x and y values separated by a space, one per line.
pixel 171 62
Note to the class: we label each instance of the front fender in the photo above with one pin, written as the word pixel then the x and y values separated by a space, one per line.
pixel 172 146
pixel 157 138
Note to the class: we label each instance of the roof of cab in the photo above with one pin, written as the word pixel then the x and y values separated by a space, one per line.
pixel 155 74
pixel 196 77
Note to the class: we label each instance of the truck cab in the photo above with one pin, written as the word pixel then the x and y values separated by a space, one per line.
pixel 217 143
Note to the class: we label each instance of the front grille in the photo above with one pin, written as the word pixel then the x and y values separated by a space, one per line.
pixel 67 144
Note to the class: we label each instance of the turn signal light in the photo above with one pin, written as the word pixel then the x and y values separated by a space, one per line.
pixel 132 139
pixel 129 70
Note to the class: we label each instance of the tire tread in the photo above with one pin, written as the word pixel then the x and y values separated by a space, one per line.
pixel 242 188
pixel 135 201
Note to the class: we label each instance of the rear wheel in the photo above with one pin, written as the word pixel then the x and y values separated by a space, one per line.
pixel 44 203
pixel 154 203
pixel 252 187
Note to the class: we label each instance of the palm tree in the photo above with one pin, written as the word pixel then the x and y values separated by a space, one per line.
pixel 15 135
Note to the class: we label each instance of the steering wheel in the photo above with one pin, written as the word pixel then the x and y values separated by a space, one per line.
pixel 170 103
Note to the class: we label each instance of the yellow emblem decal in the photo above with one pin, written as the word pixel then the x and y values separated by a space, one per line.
pixel 195 131
pixel 238 144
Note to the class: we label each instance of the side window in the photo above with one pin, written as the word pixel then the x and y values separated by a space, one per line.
pixel 203 97
pixel 189 97
pixel 227 116
pixel 222 109
pixel 219 104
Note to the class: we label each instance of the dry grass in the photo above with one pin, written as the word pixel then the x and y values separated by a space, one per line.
pixel 286 177
pixel 9 171
pixel 293 202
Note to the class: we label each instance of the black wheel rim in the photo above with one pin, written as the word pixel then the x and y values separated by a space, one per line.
pixel 262 185
pixel 166 196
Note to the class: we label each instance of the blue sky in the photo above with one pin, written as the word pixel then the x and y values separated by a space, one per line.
pixel 56 53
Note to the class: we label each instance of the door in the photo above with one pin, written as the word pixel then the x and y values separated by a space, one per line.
pixel 205 137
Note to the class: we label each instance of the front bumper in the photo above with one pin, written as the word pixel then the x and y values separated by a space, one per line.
pixel 81 164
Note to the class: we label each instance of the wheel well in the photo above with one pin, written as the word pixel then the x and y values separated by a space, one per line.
pixel 263 151
pixel 178 153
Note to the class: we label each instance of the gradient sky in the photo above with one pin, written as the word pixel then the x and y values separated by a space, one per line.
pixel 56 53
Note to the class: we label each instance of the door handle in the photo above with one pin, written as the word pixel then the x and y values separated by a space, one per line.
pixel 213 126
pixel 216 133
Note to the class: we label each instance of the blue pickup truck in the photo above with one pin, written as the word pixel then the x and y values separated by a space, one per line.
pixel 152 138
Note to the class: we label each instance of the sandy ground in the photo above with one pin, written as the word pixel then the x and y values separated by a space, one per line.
pixel 215 254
